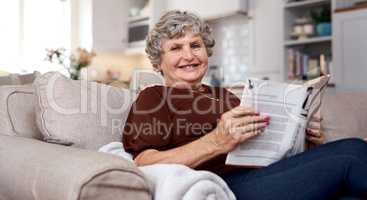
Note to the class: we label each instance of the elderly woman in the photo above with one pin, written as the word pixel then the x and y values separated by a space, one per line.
pixel 187 122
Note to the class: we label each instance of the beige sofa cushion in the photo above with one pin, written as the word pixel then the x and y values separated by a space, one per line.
pixel 79 113
pixel 32 169
pixel 17 116
pixel 344 115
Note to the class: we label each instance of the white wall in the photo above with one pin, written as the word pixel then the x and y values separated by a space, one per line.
pixel 81 24
pixel 258 53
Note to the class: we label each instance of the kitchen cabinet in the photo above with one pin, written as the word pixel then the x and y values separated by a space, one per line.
pixel 209 9
pixel 350 47
pixel 109 25
pixel 266 18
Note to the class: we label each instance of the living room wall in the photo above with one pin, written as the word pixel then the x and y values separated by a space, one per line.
pixel 116 61
pixel 119 62
pixel 267 57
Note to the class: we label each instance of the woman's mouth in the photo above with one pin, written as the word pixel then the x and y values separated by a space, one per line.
pixel 188 67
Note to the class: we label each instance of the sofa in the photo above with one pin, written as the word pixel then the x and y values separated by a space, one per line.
pixel 51 154
pixel 64 163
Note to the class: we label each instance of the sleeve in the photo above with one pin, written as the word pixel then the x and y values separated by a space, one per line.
pixel 147 126
pixel 232 98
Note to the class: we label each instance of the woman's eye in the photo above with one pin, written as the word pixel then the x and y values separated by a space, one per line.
pixel 195 45
pixel 174 48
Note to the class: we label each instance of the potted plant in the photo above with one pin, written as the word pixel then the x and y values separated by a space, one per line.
pixel 78 59
pixel 322 20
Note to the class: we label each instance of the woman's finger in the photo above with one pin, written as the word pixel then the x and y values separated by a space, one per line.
pixel 316 119
pixel 313 132
pixel 249 120
pixel 314 125
pixel 249 127
pixel 315 137
pixel 315 140
pixel 240 111
pixel 249 135
pixel 240 137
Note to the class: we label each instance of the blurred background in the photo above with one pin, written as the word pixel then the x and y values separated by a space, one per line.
pixel 103 40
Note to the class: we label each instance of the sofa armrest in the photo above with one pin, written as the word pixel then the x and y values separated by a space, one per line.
pixel 31 169
pixel 344 114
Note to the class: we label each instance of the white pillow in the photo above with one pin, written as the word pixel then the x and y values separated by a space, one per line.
pixel 79 113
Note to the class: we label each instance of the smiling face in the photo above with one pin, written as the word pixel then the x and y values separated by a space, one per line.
pixel 184 60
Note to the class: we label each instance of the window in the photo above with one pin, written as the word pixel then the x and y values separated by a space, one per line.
pixel 29 28
pixel 9 35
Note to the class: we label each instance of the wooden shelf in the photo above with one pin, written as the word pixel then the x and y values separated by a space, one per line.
pixel 308 41
pixel 353 8
pixel 306 3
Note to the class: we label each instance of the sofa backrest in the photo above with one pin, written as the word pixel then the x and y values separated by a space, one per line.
pixel 28 78
pixel 19 113
pixel 11 79
pixel 19 79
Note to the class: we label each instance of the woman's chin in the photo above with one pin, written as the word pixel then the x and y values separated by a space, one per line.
pixel 190 80
pixel 191 73
pixel 191 76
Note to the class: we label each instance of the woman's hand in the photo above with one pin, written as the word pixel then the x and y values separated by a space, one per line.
pixel 236 126
pixel 313 131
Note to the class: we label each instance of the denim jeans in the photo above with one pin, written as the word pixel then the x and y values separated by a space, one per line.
pixel 333 171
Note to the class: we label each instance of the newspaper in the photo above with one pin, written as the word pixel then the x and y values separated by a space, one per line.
pixel 290 107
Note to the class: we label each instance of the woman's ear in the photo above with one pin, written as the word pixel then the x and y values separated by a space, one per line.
pixel 158 69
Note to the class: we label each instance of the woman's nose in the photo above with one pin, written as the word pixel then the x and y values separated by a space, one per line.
pixel 187 54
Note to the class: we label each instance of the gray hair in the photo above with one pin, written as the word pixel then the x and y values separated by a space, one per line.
pixel 172 25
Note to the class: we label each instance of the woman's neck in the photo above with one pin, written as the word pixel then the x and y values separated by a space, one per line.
pixel 196 86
